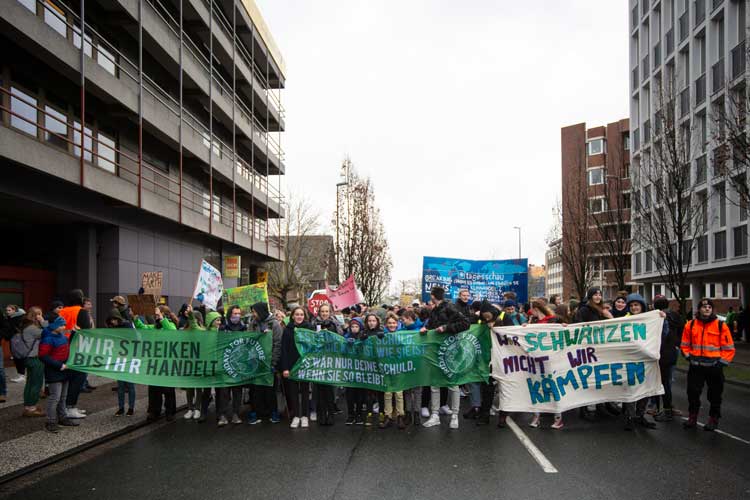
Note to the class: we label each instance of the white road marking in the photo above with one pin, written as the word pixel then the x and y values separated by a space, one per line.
pixel 719 431
pixel 531 447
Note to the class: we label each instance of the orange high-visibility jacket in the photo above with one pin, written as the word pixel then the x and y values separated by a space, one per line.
pixel 704 344
pixel 70 315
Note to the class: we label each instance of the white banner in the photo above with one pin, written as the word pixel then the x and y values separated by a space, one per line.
pixel 551 368
pixel 209 287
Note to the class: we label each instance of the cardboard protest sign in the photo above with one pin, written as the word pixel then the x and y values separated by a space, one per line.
pixel 142 305
pixel 152 282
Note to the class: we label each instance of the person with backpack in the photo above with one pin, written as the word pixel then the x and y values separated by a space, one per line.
pixel 53 352
pixel 15 316
pixel 25 347
pixel 708 346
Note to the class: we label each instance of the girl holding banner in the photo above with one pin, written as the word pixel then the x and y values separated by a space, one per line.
pixel 298 410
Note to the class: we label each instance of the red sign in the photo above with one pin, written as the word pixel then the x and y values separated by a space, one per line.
pixel 316 301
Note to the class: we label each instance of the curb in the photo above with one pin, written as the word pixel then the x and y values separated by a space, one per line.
pixel 746 385
pixel 78 449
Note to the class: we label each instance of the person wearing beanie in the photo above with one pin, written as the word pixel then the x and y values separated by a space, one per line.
pixel 619 306
pixel 708 346
pixel 356 398
pixel 264 397
pixel 53 352
pixel 444 319
pixel 510 307
pixel 635 412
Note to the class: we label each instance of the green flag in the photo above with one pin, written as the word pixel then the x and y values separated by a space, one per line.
pixel 397 362
pixel 245 296
pixel 174 358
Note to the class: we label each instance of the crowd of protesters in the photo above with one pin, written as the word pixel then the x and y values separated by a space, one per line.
pixel 40 344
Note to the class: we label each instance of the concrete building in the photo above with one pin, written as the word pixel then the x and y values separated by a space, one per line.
pixel 596 203
pixel 553 284
pixel 178 102
pixel 688 60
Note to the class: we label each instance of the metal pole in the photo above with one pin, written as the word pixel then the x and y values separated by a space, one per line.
pixel 234 124
pixel 140 100
pixel 211 116
pixel 337 233
pixel 180 128
pixel 519 240
pixel 83 87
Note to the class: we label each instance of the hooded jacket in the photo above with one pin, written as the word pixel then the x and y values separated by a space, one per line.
pixel 354 336
pixel 289 352
pixel 636 297
pixel 707 342
pixel 447 315
pixel 266 325
pixel 53 351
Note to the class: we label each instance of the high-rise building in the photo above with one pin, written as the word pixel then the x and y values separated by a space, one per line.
pixel 553 284
pixel 595 205
pixel 136 136
pixel 687 68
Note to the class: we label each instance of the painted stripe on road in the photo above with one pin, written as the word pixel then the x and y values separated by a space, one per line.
pixel 531 447
pixel 719 431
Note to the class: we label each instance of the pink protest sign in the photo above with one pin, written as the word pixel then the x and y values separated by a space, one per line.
pixel 346 295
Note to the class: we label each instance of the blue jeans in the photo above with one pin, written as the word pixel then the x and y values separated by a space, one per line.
pixel 3 386
pixel 121 394
pixel 476 395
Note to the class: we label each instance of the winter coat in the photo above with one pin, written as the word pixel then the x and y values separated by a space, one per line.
pixel 352 336
pixel 53 352
pixel 32 335
pixel 164 324
pixel 465 309
pixel 228 326
pixel 707 342
pixel 445 314
pixel 270 325
pixel 289 352
pixel 587 314
pixel 331 324
pixel 670 339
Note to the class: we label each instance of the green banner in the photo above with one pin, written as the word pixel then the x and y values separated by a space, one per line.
pixel 174 358
pixel 397 362
pixel 245 296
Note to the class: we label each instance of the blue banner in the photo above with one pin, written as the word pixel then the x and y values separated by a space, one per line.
pixel 485 279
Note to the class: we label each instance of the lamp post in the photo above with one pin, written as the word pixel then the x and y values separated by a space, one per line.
pixel 519 240
pixel 344 181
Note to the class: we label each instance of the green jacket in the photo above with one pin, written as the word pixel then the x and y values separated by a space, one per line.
pixel 165 325
pixel 210 317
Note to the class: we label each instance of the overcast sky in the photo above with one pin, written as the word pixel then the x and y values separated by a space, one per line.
pixel 453 108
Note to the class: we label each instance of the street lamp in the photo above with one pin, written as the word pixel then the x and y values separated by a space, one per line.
pixel 344 176
pixel 519 240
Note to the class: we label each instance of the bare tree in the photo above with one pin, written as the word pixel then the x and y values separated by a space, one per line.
pixel 294 273
pixel 362 245
pixel 670 213
pixel 577 241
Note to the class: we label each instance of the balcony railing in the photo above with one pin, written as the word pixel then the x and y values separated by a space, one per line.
pixel 717 76
pixel 657 55
pixel 684 25
pixel 684 102
pixel 645 68
pixel 670 41
pixel 700 11
pixel 738 60
pixel 700 89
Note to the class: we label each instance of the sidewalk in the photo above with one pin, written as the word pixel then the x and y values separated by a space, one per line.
pixel 24 442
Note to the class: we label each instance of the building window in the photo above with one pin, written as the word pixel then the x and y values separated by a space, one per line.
pixel 625 200
pixel 87 145
pixel 596 147
pixel 77 41
pixel 740 241
pixel 23 105
pixel 54 16
pixel 596 176
pixel 56 125
pixel 105 150
pixel 637 258
pixel 720 245
pixel 597 205
pixel 649 261
pixel 206 204
pixel 217 208
pixel 29 4
pixel 702 248
pixel 626 142
pixel 105 59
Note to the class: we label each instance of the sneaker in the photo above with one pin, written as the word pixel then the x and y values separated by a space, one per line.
pixel 188 415
pixel 51 427
pixel 712 424
pixel 252 418
pixel 196 414
pixel 120 412
pixel 535 421
pixel 445 410
pixel 359 420
pixel 376 408
pixel 350 420
pixel 401 422
pixel 557 424
pixel 432 421
pixel 74 413
pixel 644 422
pixel 501 420
pixel 425 412
pixel 454 422
pixel 33 411
pixel 304 423
pixel 236 419
pixel 67 422
pixel 295 423
pixel 337 410
pixel 472 412
pixel 170 417
pixel 387 422
pixel 222 421
pixel 483 419
pixel 368 420
pixel 313 416
pixel 493 412
pixel 129 413
pixel 275 418
pixel 629 426
pixel 664 416
pixel 19 379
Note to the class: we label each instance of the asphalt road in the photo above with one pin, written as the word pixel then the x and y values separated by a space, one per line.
pixel 593 461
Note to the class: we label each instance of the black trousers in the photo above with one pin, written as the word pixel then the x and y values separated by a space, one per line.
pixel 225 397
pixel 355 400
pixel 294 391
pixel 326 400
pixel 264 400
pixel 635 409
pixel 379 398
pixel 155 396
pixel 713 377
pixel 75 384
pixel 487 391
pixel 666 382
pixel 20 366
